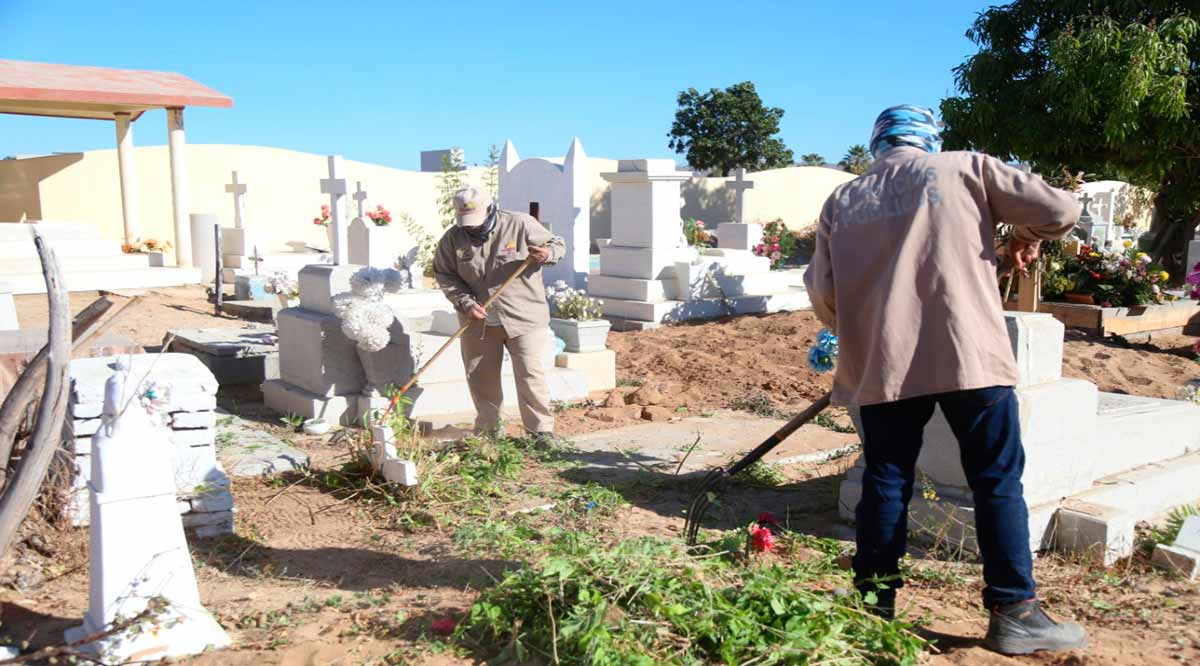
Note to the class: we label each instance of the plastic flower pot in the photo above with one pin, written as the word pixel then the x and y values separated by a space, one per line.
pixel 582 336
pixel 316 427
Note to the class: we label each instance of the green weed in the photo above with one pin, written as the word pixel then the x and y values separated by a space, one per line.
pixel 762 475
pixel 1169 531
pixel 759 404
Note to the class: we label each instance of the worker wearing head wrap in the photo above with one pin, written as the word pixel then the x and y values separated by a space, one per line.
pixel 470 263
pixel 904 272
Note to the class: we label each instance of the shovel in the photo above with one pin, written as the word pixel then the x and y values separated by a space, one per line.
pixel 457 334
pixel 716 481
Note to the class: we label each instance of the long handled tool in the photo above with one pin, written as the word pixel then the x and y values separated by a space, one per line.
pixel 716 481
pixel 457 334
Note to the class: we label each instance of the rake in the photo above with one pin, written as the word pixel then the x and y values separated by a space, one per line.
pixel 716 481
pixel 457 334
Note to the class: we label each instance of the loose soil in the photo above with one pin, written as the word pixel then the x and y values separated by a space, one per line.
pixel 315 578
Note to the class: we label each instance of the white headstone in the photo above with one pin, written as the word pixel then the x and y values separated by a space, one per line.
pixel 740 185
pixel 137 549
pixel 736 236
pixel 335 187
pixel 645 204
pixel 368 246
pixel 561 195
pixel 360 198
pixel 238 190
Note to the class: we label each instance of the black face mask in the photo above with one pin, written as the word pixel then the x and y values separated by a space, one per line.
pixel 484 230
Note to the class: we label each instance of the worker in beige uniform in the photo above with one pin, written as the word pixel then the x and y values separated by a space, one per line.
pixel 472 260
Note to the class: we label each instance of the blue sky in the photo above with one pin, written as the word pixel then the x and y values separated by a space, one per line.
pixel 381 81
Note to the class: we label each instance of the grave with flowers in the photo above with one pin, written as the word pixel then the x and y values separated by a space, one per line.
pixel 1105 291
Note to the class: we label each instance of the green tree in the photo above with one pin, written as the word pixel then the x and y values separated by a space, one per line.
pixel 452 179
pixel 721 130
pixel 857 160
pixel 1104 86
pixel 491 173
pixel 812 159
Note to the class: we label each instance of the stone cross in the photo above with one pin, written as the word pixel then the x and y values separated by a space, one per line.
pixel 238 190
pixel 360 197
pixel 1087 202
pixel 740 185
pixel 335 187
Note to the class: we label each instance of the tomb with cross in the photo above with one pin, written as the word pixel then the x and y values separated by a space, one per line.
pixel 738 235
pixel 335 187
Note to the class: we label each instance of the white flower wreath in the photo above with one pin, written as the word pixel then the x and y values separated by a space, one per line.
pixel 366 319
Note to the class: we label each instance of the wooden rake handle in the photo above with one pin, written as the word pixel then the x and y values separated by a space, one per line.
pixel 457 334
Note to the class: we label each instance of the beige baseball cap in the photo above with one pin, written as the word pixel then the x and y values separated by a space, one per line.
pixel 471 206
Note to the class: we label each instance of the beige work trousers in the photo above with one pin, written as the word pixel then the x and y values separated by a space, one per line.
pixel 484 359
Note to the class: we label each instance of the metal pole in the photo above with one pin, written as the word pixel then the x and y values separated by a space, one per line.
pixel 220 268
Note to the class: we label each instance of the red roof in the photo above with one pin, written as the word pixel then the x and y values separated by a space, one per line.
pixel 75 91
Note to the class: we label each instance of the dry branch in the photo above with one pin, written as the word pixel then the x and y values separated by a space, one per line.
pixel 19 495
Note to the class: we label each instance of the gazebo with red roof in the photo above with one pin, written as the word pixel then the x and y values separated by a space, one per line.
pixel 120 95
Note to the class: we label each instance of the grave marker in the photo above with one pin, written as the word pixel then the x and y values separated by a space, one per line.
pixel 740 185
pixel 360 198
pixel 335 187
pixel 238 190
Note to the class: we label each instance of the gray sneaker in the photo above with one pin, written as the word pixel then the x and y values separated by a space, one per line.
pixel 1024 628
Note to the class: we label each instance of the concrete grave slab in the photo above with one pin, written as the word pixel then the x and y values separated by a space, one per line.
pixel 318 357
pixel 234 356
pixel 248 451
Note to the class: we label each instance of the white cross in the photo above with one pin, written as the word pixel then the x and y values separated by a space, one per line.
pixel 335 187
pixel 740 185
pixel 360 196
pixel 238 190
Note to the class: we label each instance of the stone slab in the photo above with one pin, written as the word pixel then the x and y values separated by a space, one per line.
pixel 192 386
pixel 192 420
pixel 239 240
pixel 600 367
pixel 1102 533
pixel 285 398
pixel 642 263
pixel 319 283
pixel 631 289
pixel 315 355
pixel 255 310
pixel 247 451
pixel 1162 429
pixel 234 356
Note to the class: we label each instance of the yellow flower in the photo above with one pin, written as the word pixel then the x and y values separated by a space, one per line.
pixel 1094 254
pixel 1164 276
pixel 1128 244
pixel 1139 255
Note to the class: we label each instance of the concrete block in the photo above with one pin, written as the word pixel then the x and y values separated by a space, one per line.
pixel 210 531
pixel 192 520
pixel 192 420
pixel 1037 344
pixel 739 236
pixel 251 288
pixel 564 384
pixel 315 355
pixel 211 502
pixel 630 289
pixel 192 387
pixel 1123 419
pixel 403 472
pixel 85 427
pixel 642 262
pixel 197 466
pixel 192 438
pixel 667 311
pixel 1178 560
pixel 319 283
pixel 716 277
pixel 286 398
pixel 1103 533
pixel 600 367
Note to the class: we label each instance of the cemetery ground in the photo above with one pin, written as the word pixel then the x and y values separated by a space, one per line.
pixel 329 567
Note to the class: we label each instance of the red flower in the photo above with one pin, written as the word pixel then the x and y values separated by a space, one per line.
pixel 774 239
pixel 444 626
pixel 761 539
pixel 767 518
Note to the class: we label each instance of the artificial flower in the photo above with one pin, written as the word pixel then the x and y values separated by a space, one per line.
pixel 767 518
pixel 761 539
pixel 444 626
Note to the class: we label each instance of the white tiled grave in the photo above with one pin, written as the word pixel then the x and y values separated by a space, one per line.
pixel 1096 463
pixel 201 484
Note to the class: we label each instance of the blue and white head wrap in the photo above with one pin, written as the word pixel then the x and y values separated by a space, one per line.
pixel 906 125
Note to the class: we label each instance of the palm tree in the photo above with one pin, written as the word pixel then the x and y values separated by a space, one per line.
pixel 812 159
pixel 857 159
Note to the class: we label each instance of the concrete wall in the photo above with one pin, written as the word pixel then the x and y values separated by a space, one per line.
pixel 284 193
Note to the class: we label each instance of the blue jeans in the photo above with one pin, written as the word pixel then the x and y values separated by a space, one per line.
pixel 986 424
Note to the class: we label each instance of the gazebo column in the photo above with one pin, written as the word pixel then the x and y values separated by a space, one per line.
pixel 128 174
pixel 179 193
